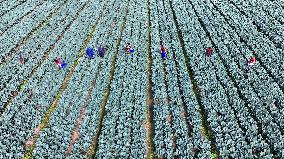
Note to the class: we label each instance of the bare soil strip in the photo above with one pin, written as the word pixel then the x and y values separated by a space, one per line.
pixel 149 99
pixel 76 131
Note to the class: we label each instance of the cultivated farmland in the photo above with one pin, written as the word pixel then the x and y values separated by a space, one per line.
pixel 187 106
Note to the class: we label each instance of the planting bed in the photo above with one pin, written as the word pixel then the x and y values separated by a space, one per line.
pixel 138 105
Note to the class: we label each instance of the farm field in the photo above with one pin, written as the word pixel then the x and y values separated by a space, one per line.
pixel 188 106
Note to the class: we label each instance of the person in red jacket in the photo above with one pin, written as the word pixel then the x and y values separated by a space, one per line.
pixel 58 61
pixel 209 51
pixel 252 61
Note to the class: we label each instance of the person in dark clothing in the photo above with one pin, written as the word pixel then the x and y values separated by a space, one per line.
pixel 101 51
pixel 128 48
pixel 22 60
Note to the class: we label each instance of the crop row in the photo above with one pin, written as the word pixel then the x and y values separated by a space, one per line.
pixel 123 133
pixel 88 131
pixel 235 69
pixel 138 105
pixel 7 7
pixel 14 37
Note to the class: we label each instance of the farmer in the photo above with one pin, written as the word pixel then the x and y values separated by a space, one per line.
pixel 22 60
pixel 101 51
pixel 163 50
pixel 209 51
pixel 252 61
pixel 129 49
pixel 63 65
pixel 90 52
pixel 60 63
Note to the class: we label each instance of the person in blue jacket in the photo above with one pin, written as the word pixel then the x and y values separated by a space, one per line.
pixel 63 65
pixel 131 52
pixel 90 52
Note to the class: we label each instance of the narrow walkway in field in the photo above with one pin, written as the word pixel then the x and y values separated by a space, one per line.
pixel 171 108
pixel 149 100
pixel 177 63
pixel 76 130
pixel 177 72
